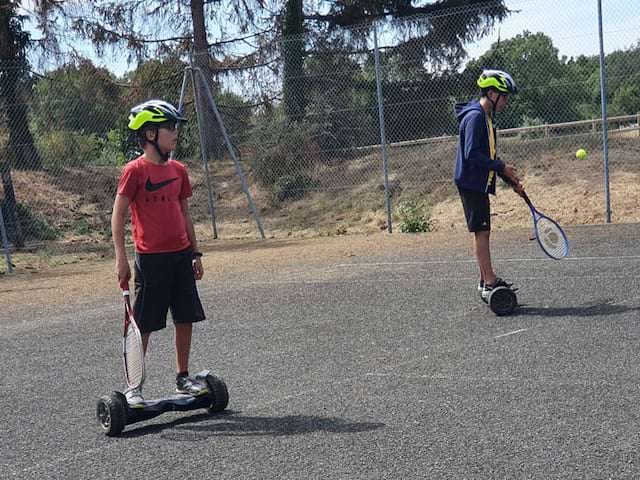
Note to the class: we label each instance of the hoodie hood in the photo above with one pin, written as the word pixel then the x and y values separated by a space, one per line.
pixel 462 109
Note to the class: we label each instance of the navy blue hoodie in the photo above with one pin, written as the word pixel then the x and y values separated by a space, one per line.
pixel 473 158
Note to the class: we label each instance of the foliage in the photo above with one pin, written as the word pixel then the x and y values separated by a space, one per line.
pixel 293 187
pixel 154 78
pixel 345 100
pixel 540 74
pixel 33 227
pixel 60 148
pixel 78 97
pixel 114 148
pixel 413 216
pixel 236 114
pixel 281 147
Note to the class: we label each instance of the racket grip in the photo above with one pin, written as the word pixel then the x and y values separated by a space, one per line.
pixel 125 293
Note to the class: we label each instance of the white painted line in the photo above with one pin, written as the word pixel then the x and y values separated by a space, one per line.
pixel 499 260
pixel 512 333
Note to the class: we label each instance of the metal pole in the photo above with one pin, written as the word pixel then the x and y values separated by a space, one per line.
pixel 223 129
pixel 605 123
pixel 203 151
pixel 5 243
pixel 181 102
pixel 383 139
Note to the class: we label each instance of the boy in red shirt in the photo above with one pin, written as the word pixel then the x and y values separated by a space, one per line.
pixel 167 261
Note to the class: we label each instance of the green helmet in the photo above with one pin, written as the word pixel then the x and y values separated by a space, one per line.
pixel 498 80
pixel 153 112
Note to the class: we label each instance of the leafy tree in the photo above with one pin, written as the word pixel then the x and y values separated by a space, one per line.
pixel 167 27
pixel 545 91
pixel 14 70
pixel 293 55
pixel 78 97
pixel 583 77
pixel 623 74
pixel 431 43
pixel 626 99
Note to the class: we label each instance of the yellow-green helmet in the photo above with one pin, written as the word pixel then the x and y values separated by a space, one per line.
pixel 153 112
pixel 498 80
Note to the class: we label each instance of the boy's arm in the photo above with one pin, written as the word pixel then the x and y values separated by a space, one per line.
pixel 198 269
pixel 118 217
pixel 475 141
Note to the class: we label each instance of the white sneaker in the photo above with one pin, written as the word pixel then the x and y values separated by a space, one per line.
pixel 190 386
pixel 134 397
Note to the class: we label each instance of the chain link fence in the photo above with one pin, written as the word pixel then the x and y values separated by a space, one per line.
pixel 304 127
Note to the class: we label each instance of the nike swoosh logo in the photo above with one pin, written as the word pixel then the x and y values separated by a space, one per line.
pixel 152 187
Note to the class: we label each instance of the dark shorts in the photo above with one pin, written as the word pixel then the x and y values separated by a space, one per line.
pixel 477 210
pixel 165 281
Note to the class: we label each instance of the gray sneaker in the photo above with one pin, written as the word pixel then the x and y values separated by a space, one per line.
pixel 190 386
pixel 134 398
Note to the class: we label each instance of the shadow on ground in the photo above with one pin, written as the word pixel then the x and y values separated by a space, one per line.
pixel 198 427
pixel 592 309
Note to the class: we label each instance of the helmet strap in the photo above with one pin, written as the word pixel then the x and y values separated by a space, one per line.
pixel 164 156
pixel 494 104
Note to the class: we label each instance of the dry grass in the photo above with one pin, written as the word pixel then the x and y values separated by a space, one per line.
pixel 350 195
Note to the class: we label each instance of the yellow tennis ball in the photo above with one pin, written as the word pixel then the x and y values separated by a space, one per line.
pixel 581 154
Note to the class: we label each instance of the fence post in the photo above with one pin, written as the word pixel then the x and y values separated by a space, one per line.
pixel 232 153
pixel 383 139
pixel 605 123
pixel 5 243
pixel 203 150
pixel 183 89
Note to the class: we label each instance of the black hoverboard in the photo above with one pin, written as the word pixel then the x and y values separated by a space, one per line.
pixel 114 413
pixel 502 301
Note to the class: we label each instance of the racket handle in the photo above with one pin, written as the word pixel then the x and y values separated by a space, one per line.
pixel 125 293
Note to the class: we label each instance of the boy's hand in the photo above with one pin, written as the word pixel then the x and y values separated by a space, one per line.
pixel 519 189
pixel 123 272
pixel 198 269
pixel 511 175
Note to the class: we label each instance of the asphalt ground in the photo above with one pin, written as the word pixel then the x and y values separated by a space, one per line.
pixel 382 363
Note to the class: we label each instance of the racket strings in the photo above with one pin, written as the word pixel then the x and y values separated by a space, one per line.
pixel 552 239
pixel 134 358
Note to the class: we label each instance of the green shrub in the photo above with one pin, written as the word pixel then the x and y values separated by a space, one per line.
pixel 282 148
pixel 114 148
pixel 33 227
pixel 60 148
pixel 413 217
pixel 293 186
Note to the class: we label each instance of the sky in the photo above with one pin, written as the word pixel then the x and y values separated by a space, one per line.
pixel 572 25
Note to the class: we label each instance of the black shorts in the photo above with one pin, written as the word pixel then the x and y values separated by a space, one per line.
pixel 477 210
pixel 165 281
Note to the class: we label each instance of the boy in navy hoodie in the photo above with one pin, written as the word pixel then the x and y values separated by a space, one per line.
pixel 477 165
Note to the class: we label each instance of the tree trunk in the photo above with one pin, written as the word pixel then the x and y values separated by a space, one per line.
pixel 293 55
pixel 26 156
pixel 10 210
pixel 12 70
pixel 215 142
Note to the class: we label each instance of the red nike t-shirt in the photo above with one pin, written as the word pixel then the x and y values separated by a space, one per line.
pixel 155 192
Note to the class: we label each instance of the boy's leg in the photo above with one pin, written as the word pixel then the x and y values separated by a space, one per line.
pixel 150 306
pixel 183 346
pixel 186 309
pixel 185 383
pixel 477 212
pixel 483 255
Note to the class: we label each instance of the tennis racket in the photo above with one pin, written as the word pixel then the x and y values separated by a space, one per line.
pixel 549 234
pixel 132 349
